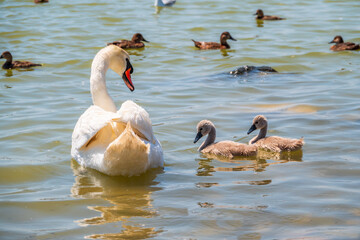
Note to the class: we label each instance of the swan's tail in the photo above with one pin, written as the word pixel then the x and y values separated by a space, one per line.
pixel 127 155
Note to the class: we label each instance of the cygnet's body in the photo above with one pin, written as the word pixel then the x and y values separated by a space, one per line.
pixel 136 42
pixel 10 64
pixel 214 45
pixel 260 16
pixel 227 149
pixel 272 143
pixel 340 45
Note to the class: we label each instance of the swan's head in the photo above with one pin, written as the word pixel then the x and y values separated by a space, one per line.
pixel 259 122
pixel 119 62
pixel 203 128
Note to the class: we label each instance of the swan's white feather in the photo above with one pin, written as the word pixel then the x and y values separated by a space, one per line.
pixel 138 117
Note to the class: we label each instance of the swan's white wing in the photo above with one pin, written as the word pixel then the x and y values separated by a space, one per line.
pixel 89 123
pixel 138 117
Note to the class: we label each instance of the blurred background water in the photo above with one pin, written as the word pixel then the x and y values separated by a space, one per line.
pixel 311 194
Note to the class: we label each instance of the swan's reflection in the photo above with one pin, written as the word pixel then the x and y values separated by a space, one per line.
pixel 257 163
pixel 129 197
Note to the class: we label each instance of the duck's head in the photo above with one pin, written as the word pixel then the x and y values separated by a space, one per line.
pixel 138 38
pixel 259 122
pixel 337 39
pixel 226 35
pixel 119 62
pixel 7 55
pixel 259 13
pixel 203 128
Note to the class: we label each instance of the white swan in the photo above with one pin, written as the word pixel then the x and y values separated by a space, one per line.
pixel 110 141
pixel 164 3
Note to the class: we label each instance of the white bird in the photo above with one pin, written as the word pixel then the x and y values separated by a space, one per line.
pixel 164 3
pixel 114 142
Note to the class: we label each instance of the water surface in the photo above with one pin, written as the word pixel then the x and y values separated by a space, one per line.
pixel 309 194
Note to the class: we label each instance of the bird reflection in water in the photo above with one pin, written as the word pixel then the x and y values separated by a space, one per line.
pixel 257 163
pixel 128 198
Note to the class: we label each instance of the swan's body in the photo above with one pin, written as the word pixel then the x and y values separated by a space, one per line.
pixel 272 143
pixel 227 149
pixel 164 3
pixel 114 142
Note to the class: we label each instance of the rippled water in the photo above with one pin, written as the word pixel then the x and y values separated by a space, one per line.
pixel 311 194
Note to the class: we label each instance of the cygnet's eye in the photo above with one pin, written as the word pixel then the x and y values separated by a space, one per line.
pixel 200 129
pixel 256 122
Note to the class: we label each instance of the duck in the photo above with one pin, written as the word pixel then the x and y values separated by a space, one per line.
pixel 340 45
pixel 114 142
pixel 214 45
pixel 260 16
pixel 10 64
pixel 228 149
pixel 164 3
pixel 136 42
pixel 41 1
pixel 272 143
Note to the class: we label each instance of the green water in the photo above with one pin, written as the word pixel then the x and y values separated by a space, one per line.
pixel 311 194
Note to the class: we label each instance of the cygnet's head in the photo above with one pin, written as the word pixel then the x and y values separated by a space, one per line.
pixel 259 122
pixel 203 128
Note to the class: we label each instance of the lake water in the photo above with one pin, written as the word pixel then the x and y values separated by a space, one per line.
pixel 309 194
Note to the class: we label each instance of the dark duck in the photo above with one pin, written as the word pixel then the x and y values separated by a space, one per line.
pixel 340 45
pixel 260 16
pixel 136 42
pixel 10 64
pixel 214 45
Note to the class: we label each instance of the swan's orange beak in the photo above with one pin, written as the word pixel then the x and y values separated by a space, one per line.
pixel 127 75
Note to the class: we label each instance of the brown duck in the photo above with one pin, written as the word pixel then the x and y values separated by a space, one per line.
pixel 136 42
pixel 10 64
pixel 214 45
pixel 272 143
pixel 340 45
pixel 41 1
pixel 260 16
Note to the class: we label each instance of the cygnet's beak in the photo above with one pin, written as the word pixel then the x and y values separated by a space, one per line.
pixel 332 41
pixel 127 75
pixel 252 128
pixel 144 40
pixel 198 136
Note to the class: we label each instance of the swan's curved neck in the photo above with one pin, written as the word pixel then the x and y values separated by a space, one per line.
pixel 262 134
pixel 209 140
pixel 99 93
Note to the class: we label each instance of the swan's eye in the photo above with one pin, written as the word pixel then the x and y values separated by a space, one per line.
pixel 256 122
pixel 200 129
